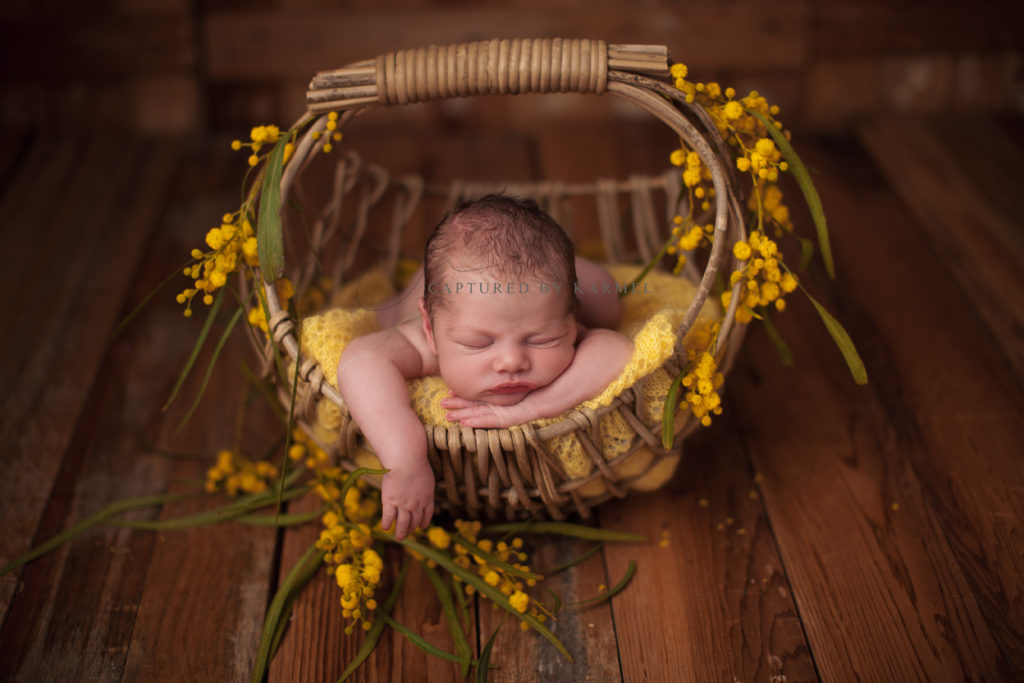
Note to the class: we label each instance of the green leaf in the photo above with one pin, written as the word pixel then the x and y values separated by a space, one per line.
pixel 280 607
pixel 279 520
pixel 806 251
pixel 631 287
pixel 373 635
pixel 270 240
pixel 668 412
pixel 209 368
pixel 558 569
pixel 803 179
pixel 785 354
pixel 615 590
pixel 419 641
pixel 222 514
pixel 556 601
pixel 583 531
pixel 207 325
pixel 109 512
pixel 462 648
pixel 462 599
pixel 485 655
pixel 842 340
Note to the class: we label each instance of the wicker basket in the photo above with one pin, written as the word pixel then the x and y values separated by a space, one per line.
pixel 509 473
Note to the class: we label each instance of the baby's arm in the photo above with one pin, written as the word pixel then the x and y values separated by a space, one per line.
pixel 600 357
pixel 371 377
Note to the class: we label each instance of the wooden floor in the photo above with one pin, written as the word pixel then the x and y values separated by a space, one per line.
pixel 817 531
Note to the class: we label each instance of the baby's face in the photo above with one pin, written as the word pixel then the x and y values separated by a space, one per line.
pixel 498 347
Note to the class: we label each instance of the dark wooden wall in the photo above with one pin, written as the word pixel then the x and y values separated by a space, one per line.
pixel 174 66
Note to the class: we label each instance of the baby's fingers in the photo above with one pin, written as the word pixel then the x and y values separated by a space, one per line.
pixel 457 403
pixel 402 524
pixel 387 516
pixel 423 519
pixel 479 417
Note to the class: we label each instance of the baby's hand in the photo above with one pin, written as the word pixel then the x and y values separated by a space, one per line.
pixel 483 415
pixel 407 499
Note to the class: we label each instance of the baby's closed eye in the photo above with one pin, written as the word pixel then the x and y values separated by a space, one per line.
pixel 475 344
pixel 543 341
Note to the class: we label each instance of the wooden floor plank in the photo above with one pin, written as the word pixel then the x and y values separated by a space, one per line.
pixel 960 180
pixel 884 522
pixel 64 323
pixel 711 599
pixel 201 607
pixel 39 176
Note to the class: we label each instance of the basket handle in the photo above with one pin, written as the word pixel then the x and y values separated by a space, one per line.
pixel 492 67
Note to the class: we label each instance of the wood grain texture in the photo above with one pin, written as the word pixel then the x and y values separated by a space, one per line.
pixel 711 600
pixel 261 44
pixel 588 633
pixel 55 333
pixel 206 589
pixel 959 178
pixel 96 46
pixel 882 497
pixel 867 27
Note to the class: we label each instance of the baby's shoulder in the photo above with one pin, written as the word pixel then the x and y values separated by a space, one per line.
pixel 412 331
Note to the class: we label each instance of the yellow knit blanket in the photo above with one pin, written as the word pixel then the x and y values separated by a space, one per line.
pixel 652 313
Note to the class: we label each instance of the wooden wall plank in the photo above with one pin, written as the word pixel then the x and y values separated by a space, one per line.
pixel 100 46
pixel 870 27
pixel 258 45
pixel 881 497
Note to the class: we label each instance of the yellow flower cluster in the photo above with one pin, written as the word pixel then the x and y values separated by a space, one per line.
pixel 231 242
pixel 234 473
pixel 259 136
pixel 767 201
pixel 765 281
pixel 355 507
pixel 685 241
pixel 510 553
pixel 305 450
pixel 764 160
pixel 332 131
pixel 355 565
pixel 702 382
pixel 755 153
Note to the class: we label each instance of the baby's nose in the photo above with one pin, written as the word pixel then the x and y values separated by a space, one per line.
pixel 512 358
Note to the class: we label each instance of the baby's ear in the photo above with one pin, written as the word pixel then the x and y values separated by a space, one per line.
pixel 428 330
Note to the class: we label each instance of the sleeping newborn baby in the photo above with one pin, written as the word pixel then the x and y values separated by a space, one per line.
pixel 513 322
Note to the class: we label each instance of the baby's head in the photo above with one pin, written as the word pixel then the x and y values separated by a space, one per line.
pixel 499 298
pixel 499 237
